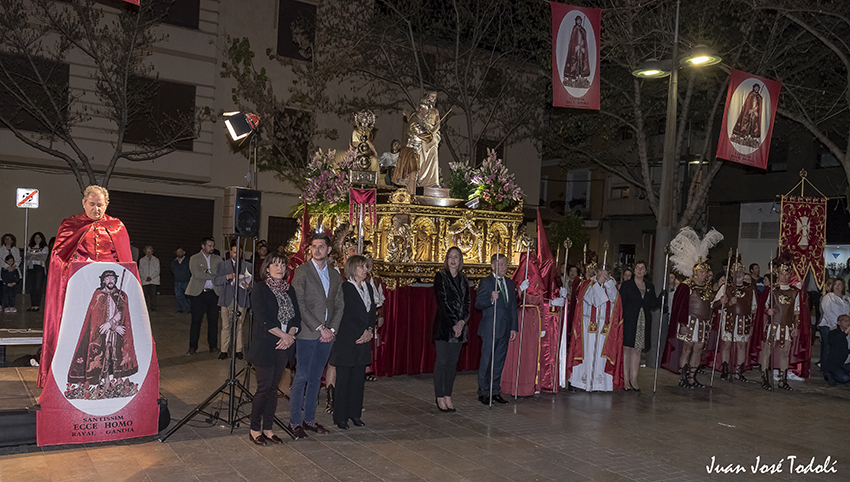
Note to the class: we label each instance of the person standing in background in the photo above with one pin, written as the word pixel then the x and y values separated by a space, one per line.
pixel 180 270
pixel 37 252
pixel 8 246
pixel 149 271
pixel 203 266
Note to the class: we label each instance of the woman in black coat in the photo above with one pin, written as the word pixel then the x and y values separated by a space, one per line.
pixel 638 298
pixel 351 353
pixel 276 322
pixel 450 329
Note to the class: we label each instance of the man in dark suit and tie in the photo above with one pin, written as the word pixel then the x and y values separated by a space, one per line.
pixel 499 293
pixel 318 288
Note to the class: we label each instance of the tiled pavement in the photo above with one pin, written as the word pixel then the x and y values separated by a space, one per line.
pixel 569 436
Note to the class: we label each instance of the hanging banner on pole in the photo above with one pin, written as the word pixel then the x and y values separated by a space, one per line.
pixel 748 119
pixel 575 56
pixel 802 232
pixel 103 383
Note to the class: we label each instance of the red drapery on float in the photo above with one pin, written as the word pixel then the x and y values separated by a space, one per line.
pixel 748 119
pixel 406 341
pixel 575 56
pixel 365 197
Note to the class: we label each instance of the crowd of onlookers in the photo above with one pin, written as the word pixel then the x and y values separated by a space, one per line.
pixel 31 262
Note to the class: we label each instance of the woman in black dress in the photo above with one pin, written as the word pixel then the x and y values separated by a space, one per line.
pixel 351 353
pixel 639 298
pixel 450 326
pixel 276 322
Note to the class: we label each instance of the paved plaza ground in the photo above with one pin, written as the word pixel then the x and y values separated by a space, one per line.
pixel 672 435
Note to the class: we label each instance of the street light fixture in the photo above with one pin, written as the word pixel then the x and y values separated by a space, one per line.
pixel 700 56
pixel 653 69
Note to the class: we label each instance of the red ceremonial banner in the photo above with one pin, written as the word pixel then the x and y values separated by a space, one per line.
pixel 575 56
pixel 103 383
pixel 802 232
pixel 748 119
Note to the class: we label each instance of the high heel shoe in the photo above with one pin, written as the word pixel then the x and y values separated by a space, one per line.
pixel 633 387
pixel 444 410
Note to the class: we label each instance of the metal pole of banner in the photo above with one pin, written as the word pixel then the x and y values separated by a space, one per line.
pixel 360 231
pixel 23 266
pixel 664 295
pixel 522 320
pixel 495 304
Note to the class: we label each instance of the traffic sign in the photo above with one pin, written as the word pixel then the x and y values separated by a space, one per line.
pixel 27 198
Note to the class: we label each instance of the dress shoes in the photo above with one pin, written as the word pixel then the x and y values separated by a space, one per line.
pixel 239 355
pixel 483 399
pixel 342 425
pixel 314 427
pixel 499 399
pixel 191 352
pixel 274 439
pixel 357 422
pixel 260 440
pixel 298 432
pixel 222 356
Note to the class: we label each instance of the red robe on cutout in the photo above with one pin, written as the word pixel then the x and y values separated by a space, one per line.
pixel 79 238
pixel 99 355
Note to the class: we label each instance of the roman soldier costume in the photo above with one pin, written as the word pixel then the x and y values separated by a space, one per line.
pixel 693 305
pixel 741 306
pixel 783 325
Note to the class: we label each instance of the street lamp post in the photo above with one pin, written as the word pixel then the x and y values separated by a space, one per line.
pixel 699 56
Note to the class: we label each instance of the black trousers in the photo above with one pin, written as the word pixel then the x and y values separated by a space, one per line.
pixel 204 303
pixel 498 365
pixel 348 396
pixel 36 279
pixel 264 404
pixel 150 296
pixel 445 367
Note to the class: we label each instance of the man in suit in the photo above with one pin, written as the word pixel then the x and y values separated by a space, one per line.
pixel 495 292
pixel 225 281
pixel 318 288
pixel 203 266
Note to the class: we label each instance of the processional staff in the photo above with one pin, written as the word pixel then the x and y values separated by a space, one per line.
pixel 527 241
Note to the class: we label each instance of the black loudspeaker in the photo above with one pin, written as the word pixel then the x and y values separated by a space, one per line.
pixel 241 212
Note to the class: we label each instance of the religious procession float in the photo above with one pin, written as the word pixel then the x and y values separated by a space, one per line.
pixel 395 210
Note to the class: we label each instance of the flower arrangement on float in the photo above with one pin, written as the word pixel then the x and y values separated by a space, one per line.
pixel 493 184
pixel 326 191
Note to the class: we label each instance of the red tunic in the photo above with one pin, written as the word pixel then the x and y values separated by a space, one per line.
pixel 79 238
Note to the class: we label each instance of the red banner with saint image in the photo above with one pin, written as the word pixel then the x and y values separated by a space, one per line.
pixel 802 232
pixel 575 56
pixel 103 383
pixel 748 119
